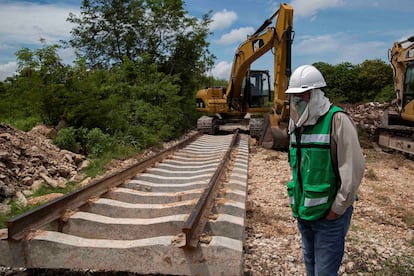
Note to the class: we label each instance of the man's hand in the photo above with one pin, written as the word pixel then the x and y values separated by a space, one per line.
pixel 332 215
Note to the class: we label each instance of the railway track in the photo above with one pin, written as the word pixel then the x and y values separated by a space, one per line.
pixel 181 212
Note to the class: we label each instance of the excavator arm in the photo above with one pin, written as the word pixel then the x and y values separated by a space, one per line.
pixel 232 103
pixel 266 38
pixel 274 133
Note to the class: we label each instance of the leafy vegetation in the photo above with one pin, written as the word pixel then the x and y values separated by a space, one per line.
pixel 17 209
pixel 371 80
pixel 66 139
pixel 371 174
pixel 398 265
pixel 138 65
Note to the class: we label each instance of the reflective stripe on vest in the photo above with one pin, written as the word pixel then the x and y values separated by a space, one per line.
pixel 312 138
pixel 309 202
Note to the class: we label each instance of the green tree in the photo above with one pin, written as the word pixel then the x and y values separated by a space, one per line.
pixel 108 31
pixel 341 79
pixel 40 87
pixel 373 77
pixel 133 101
pixel 332 90
pixel 346 82
pixel 45 61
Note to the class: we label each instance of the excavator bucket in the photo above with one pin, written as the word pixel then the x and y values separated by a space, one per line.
pixel 274 136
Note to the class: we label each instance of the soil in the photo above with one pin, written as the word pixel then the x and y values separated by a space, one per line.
pixel 381 237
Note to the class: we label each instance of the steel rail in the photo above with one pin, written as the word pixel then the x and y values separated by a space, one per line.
pixel 20 226
pixel 195 223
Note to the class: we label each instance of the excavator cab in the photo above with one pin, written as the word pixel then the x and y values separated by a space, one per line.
pixel 408 94
pixel 256 87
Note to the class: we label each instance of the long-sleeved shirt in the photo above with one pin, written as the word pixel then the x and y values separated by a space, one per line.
pixel 351 162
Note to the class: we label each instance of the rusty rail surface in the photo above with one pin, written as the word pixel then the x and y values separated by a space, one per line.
pixel 20 226
pixel 194 225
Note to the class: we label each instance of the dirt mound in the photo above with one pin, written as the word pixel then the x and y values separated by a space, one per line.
pixel 29 160
pixel 367 116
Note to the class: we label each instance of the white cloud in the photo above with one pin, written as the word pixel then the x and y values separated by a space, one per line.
pixel 7 70
pixel 222 70
pixel 23 24
pixel 310 45
pixel 222 20
pixel 26 23
pixel 310 7
pixel 361 51
pixel 386 5
pixel 338 48
pixel 236 35
pixel 66 54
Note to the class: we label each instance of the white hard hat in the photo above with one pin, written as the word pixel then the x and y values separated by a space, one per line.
pixel 304 78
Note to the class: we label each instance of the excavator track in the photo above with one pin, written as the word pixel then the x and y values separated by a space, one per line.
pixel 395 134
pixel 400 139
pixel 205 124
pixel 256 127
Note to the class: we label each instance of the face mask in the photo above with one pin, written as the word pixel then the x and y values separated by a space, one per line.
pixel 300 104
pixel 297 107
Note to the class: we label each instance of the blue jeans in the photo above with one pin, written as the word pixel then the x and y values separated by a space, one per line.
pixel 323 243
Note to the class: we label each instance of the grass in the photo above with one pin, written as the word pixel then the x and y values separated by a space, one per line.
pixel 45 189
pixel 354 228
pixel 364 139
pixel 371 175
pixel 398 265
pixel 370 155
pixel 409 219
pixel 24 123
pixel 392 265
pixel 16 209
pixel 98 165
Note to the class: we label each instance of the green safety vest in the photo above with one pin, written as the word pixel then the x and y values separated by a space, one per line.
pixel 313 187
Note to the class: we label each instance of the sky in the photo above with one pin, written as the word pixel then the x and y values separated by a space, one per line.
pixel 331 31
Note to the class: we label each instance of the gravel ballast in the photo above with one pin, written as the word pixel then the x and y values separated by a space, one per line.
pixel 381 237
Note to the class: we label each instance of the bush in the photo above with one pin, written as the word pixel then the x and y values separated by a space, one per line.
pixel 387 94
pixel 141 137
pixel 98 142
pixel 25 124
pixel 66 139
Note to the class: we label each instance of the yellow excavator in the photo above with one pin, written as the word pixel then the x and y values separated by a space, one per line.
pixel 248 99
pixel 396 131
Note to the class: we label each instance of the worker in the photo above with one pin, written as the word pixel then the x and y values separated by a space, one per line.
pixel 327 167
